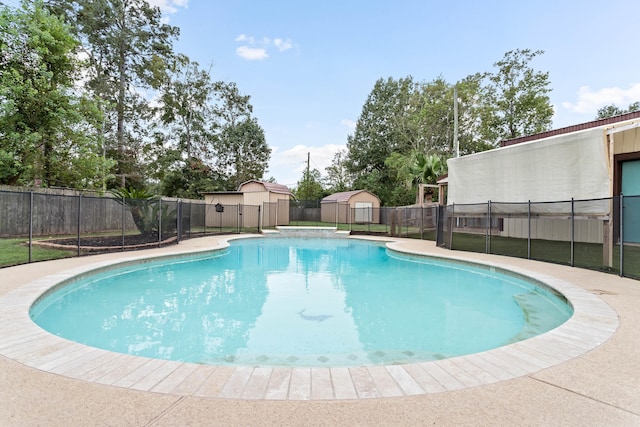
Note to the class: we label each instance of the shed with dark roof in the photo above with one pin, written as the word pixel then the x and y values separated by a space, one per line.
pixel 358 206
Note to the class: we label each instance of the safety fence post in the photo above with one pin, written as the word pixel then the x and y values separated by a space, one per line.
pixel 31 226
pixel 572 231
pixel 621 235
pixel 529 229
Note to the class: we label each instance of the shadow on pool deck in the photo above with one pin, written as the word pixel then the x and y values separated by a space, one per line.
pixel 600 387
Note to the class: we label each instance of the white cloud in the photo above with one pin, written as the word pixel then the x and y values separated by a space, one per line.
pixel 348 123
pixel 589 101
pixel 282 45
pixel 169 6
pixel 245 38
pixel 288 166
pixel 251 53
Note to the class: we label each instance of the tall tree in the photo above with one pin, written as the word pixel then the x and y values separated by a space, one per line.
pixel 243 153
pixel 337 174
pixel 382 128
pixel 517 101
pixel 185 110
pixel 46 130
pixel 128 48
pixel 240 146
pixel 182 154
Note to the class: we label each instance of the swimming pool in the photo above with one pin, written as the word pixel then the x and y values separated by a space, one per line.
pixel 302 302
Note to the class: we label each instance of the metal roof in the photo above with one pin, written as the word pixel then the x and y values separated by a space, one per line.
pixel 344 196
pixel 271 187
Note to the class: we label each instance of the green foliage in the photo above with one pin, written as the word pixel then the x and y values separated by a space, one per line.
pixel 402 118
pixel 190 181
pixel 129 48
pixel 612 110
pixel 517 101
pixel 337 175
pixel 147 210
pixel 416 168
pixel 310 187
pixel 187 117
pixel 242 151
pixel 48 132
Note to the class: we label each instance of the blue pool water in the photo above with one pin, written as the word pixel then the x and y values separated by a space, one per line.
pixel 299 302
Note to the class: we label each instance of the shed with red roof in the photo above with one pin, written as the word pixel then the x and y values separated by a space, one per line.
pixel 358 206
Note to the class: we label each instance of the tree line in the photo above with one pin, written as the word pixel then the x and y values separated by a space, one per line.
pixel 94 96
pixel 405 132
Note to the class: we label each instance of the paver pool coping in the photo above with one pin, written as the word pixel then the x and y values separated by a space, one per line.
pixel 592 323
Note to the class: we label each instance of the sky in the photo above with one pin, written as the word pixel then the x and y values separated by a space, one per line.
pixel 309 66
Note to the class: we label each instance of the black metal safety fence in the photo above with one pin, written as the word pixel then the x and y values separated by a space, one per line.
pixel 600 234
pixel 408 221
pixel 42 226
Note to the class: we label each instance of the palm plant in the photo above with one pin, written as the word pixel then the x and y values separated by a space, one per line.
pixel 146 210
pixel 426 169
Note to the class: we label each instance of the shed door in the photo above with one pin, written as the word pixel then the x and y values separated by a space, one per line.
pixel 364 211
pixel 631 192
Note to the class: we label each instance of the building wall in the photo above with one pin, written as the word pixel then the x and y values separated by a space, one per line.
pixel 335 212
pixel 227 218
pixel 282 203
pixel 256 198
pixel 627 141
pixel 342 212
pixel 587 230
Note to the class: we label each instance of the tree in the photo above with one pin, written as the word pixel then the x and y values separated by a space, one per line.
pixel 184 132
pixel 310 186
pixel 337 174
pixel 382 128
pixel 417 167
pixel 186 113
pixel 242 151
pixel 612 110
pixel 516 102
pixel 379 129
pixel 128 50
pixel 46 129
pixel 191 180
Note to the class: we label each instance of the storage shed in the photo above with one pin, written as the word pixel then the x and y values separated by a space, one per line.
pixel 273 197
pixel 225 207
pixel 358 206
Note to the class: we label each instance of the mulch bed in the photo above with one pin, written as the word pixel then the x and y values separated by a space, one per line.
pixel 100 243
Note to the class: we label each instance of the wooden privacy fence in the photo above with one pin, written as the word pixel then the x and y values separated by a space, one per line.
pixel 51 214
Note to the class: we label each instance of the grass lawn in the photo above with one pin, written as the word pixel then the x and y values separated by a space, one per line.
pixel 16 251
pixel 585 255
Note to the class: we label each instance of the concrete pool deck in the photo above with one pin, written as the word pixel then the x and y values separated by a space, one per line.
pixel 585 383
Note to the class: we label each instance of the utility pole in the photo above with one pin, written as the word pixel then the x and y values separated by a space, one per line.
pixel 456 145
pixel 307 177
